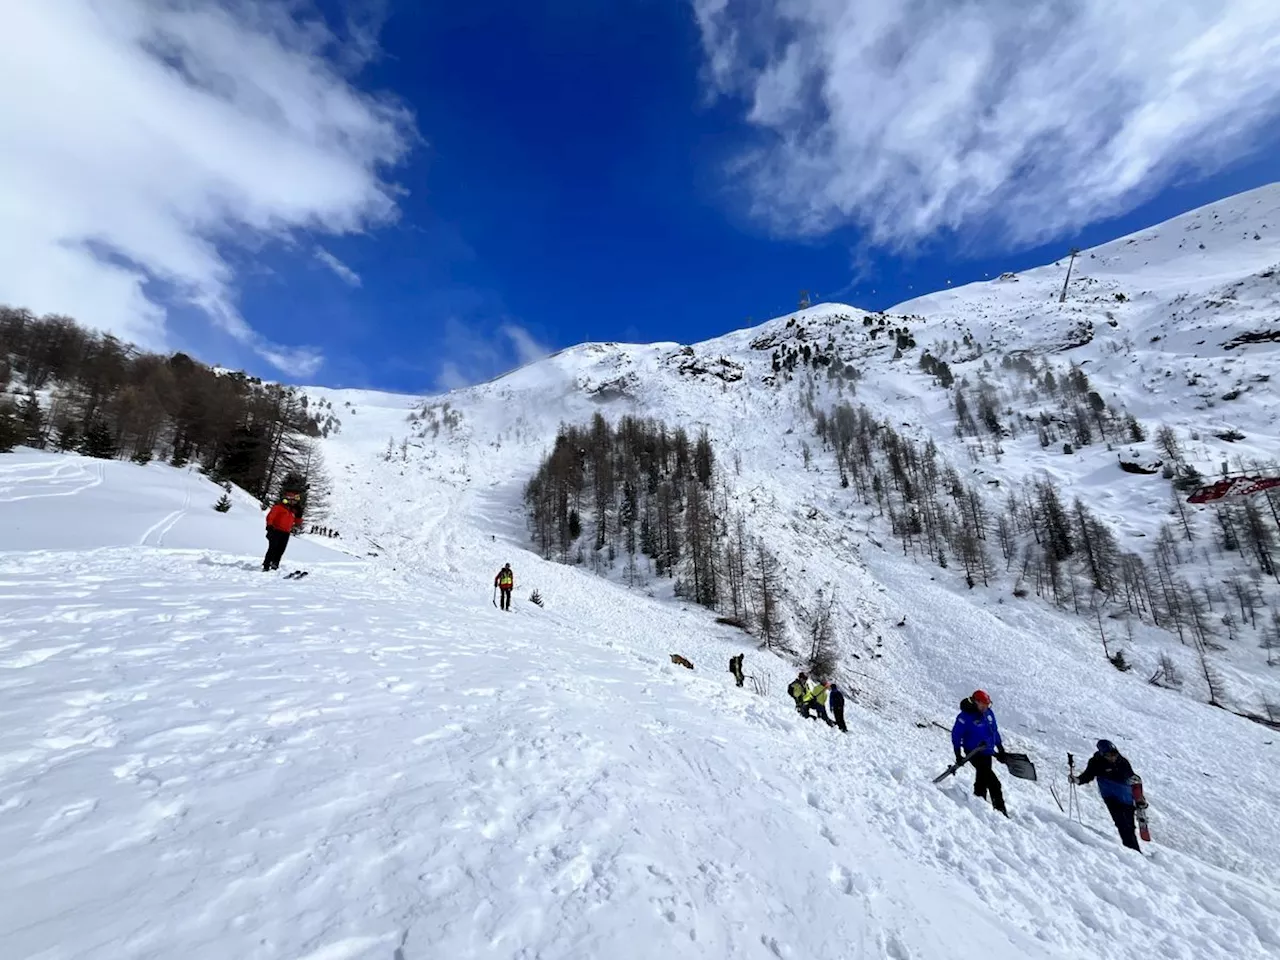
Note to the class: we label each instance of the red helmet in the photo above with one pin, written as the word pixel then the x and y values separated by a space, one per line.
pixel 981 698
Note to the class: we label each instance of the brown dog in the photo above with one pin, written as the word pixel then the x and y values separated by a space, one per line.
pixel 676 658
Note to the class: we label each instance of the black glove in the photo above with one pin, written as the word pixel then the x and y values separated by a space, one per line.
pixel 959 755
pixel 1000 754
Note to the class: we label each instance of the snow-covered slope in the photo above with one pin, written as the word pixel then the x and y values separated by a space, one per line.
pixel 1165 330
pixel 198 761
pixel 47 497
pixel 375 762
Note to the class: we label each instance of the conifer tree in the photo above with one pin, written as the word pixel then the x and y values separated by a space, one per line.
pixel 98 441
pixel 10 426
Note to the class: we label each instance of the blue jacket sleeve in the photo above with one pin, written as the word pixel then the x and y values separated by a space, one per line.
pixel 955 732
pixel 995 732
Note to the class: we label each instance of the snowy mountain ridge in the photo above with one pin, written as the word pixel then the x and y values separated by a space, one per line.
pixel 1195 297
pixel 374 762
pixel 1169 330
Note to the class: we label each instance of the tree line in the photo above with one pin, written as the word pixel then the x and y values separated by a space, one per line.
pixel 1060 549
pixel 67 388
pixel 654 499
pixel 1075 416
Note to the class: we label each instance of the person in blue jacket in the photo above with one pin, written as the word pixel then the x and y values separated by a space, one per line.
pixel 976 727
pixel 1115 782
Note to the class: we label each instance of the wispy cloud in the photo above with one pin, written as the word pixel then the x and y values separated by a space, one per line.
pixel 474 353
pixel 364 22
pixel 909 116
pixel 451 377
pixel 345 273
pixel 527 349
pixel 141 137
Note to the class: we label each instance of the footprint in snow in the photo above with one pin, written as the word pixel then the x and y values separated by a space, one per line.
pixel 66 818
pixel 894 949
pixel 771 944
pixel 814 801
pixel 841 879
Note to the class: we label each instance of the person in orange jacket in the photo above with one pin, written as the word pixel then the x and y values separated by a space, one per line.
pixel 280 523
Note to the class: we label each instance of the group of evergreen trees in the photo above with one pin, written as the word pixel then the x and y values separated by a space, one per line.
pixel 1074 414
pixel 927 505
pixel 650 496
pixel 71 389
pixel 1061 549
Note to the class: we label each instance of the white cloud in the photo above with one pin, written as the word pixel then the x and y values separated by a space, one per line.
pixel 451 377
pixel 527 349
pixel 909 116
pixel 476 353
pixel 345 273
pixel 143 136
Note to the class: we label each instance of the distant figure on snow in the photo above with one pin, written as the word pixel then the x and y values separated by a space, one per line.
pixel 837 707
pixel 735 667
pixel 505 581
pixel 280 523
pixel 976 727
pixel 1115 783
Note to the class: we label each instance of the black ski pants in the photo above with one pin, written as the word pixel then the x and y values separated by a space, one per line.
pixel 277 540
pixel 1122 814
pixel 986 782
pixel 837 708
pixel 504 599
pixel 819 708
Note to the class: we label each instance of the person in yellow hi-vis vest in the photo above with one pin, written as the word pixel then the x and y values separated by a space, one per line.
pixel 815 699
pixel 505 581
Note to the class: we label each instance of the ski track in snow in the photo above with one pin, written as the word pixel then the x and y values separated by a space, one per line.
pixel 162 527
pixel 58 478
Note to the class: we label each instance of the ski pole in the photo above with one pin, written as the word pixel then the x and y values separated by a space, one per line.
pixel 494 599
pixel 1053 792
pixel 1071 783
pixel 1074 799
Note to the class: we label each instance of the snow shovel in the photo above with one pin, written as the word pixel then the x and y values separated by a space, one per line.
pixel 1019 765
pixel 959 763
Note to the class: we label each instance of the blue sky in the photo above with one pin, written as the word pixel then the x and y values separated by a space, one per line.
pixel 503 178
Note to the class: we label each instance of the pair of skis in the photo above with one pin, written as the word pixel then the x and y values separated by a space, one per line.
pixel 1140 808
